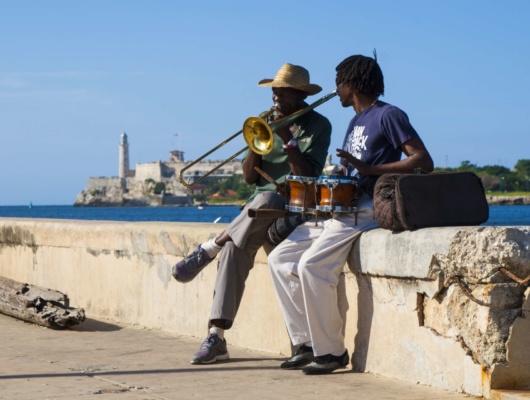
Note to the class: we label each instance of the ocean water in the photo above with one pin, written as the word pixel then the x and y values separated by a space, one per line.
pixel 215 214
pixel 499 215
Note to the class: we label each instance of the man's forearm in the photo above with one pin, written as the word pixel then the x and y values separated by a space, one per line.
pixel 249 173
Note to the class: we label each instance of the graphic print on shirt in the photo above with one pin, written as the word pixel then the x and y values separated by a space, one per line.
pixel 357 142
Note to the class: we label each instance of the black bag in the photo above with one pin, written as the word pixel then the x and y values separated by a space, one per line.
pixel 413 201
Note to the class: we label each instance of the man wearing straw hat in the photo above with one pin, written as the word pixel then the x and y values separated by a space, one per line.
pixel 300 149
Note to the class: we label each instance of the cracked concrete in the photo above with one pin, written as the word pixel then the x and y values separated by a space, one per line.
pixel 469 308
pixel 481 307
pixel 478 255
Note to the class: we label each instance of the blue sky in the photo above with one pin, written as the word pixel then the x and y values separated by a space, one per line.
pixel 74 74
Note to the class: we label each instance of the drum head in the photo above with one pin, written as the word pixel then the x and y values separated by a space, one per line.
pixel 301 179
pixel 340 179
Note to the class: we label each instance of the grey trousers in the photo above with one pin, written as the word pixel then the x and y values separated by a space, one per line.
pixel 237 257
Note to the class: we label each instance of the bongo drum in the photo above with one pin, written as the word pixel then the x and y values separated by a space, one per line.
pixel 302 193
pixel 337 193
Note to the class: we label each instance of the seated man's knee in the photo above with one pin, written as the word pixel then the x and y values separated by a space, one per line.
pixel 309 268
pixel 280 261
pixel 268 200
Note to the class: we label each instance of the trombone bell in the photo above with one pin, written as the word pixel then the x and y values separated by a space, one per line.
pixel 258 135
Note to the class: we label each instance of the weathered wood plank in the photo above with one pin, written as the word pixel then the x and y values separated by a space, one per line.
pixel 45 307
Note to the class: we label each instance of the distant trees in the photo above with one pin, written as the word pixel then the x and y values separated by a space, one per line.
pixel 233 188
pixel 224 186
pixel 496 178
pixel 154 187
pixel 237 184
pixel 159 188
pixel 522 168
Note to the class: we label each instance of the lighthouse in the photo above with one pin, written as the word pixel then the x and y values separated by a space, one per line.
pixel 124 156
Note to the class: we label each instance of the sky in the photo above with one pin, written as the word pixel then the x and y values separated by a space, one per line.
pixel 183 75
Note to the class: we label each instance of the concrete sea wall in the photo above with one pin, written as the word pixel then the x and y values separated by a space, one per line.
pixel 445 307
pixel 508 200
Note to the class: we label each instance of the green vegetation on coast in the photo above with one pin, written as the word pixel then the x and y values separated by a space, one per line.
pixel 232 190
pixel 499 180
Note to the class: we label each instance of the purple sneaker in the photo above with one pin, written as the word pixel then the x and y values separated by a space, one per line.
pixel 188 268
pixel 212 349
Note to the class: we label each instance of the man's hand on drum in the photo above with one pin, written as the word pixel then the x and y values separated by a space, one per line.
pixel 360 166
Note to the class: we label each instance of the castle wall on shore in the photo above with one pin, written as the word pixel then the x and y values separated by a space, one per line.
pixel 445 307
pixel 136 187
pixel 138 191
pixel 98 183
pixel 149 171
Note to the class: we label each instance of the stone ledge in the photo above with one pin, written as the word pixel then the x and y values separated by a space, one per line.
pixel 408 299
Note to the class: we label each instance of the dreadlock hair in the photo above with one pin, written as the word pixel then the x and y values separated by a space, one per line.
pixel 362 74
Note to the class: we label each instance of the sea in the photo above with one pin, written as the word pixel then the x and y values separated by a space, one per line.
pixel 517 215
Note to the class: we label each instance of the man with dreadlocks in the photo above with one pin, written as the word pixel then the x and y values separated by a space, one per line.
pixel 305 267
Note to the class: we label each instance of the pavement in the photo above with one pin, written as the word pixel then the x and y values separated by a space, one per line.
pixel 105 360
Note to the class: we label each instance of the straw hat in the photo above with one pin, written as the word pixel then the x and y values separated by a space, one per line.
pixel 292 76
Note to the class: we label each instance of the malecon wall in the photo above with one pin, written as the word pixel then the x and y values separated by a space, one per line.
pixel 438 306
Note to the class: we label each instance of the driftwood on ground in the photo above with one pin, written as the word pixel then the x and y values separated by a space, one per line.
pixel 46 307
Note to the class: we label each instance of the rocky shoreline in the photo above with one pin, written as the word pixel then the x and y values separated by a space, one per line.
pixel 120 198
pixel 508 200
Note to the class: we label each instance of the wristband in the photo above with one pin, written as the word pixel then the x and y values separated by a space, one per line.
pixel 291 144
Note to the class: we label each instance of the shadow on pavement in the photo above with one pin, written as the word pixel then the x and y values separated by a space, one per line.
pixel 91 325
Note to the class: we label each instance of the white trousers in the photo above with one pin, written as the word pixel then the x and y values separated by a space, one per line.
pixel 305 270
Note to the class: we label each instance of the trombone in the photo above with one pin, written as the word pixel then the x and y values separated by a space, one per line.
pixel 258 134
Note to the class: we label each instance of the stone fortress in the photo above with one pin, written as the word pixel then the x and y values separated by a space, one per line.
pixel 136 187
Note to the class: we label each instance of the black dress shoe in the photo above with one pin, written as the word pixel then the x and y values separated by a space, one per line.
pixel 302 356
pixel 327 364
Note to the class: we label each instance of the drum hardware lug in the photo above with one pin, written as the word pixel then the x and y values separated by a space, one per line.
pixel 332 203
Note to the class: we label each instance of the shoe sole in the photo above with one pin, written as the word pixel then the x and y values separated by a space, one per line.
pixel 192 278
pixel 181 280
pixel 222 357
pixel 320 371
pixel 289 366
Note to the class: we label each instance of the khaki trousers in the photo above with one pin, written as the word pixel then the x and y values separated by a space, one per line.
pixel 237 257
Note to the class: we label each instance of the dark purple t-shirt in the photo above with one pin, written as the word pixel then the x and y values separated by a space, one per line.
pixel 375 136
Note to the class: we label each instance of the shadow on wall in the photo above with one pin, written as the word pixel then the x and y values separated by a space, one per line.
pixel 365 312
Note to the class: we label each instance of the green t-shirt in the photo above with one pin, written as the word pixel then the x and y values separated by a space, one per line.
pixel 313 137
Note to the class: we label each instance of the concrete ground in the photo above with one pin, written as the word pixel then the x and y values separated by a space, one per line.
pixel 105 360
